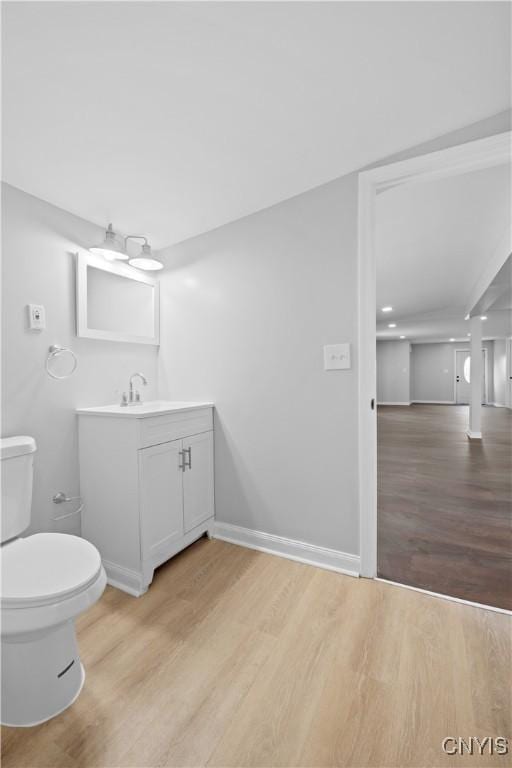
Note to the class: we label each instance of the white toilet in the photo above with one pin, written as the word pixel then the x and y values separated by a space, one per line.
pixel 48 579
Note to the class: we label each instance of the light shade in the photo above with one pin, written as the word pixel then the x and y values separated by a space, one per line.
pixel 146 260
pixel 111 249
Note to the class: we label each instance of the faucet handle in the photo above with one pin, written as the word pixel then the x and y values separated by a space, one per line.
pixel 137 396
pixel 124 399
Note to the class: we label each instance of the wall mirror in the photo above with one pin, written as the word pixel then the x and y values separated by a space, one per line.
pixel 116 302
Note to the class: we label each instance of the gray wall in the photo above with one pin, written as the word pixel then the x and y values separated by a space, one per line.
pixel 245 314
pixel 393 372
pixel 246 310
pixel 433 370
pixel 38 242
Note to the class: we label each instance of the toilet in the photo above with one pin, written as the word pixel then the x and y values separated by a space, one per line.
pixel 48 579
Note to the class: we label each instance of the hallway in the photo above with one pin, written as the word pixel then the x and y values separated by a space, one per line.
pixel 444 502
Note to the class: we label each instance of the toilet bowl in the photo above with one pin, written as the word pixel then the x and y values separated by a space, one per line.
pixel 48 579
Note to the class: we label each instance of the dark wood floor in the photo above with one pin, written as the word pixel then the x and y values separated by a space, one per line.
pixel 445 502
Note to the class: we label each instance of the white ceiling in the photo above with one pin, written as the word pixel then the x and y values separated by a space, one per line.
pixel 434 241
pixel 174 118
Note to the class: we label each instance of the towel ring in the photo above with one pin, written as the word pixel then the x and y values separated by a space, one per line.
pixel 56 350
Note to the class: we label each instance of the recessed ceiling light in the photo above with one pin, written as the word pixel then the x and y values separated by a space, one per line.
pixel 387 309
pixel 483 317
pixel 391 325
pixel 452 339
pixel 402 337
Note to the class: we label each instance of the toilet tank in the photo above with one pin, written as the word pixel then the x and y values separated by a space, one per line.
pixel 17 462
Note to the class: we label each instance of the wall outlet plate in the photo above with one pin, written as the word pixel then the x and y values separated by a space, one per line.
pixel 337 357
pixel 36 317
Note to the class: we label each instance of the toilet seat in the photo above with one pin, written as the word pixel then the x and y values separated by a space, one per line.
pixel 45 569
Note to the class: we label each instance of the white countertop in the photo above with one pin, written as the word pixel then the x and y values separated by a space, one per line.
pixel 151 408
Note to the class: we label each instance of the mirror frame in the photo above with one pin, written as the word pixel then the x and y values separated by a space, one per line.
pixel 85 260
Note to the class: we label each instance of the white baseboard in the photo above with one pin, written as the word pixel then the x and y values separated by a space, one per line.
pixel 124 579
pixel 385 402
pixel 474 435
pixel 311 554
pixel 434 402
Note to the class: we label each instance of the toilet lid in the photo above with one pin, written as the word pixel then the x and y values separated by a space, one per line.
pixel 46 567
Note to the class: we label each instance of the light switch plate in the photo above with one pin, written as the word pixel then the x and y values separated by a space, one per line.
pixel 36 317
pixel 337 357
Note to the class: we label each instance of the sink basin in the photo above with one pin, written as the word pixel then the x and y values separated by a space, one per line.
pixel 151 408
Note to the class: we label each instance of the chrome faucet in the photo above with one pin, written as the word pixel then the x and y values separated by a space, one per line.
pixel 133 396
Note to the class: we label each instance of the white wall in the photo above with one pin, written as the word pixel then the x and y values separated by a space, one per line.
pixel 433 371
pixel 39 241
pixel 500 372
pixel 246 310
pixel 393 372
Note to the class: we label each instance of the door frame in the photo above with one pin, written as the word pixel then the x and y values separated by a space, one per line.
pixel 485 401
pixel 508 369
pixel 471 156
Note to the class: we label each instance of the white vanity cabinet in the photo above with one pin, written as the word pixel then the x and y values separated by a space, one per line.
pixel 146 479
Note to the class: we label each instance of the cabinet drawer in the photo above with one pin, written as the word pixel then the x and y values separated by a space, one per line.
pixel 173 426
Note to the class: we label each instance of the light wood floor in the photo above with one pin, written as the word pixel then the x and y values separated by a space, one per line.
pixel 445 502
pixel 238 658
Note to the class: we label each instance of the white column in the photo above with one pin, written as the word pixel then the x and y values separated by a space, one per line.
pixel 475 403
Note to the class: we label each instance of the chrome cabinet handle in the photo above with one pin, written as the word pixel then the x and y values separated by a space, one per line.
pixel 189 451
pixel 182 466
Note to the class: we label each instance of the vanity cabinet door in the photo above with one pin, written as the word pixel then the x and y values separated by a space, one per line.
pixel 198 502
pixel 161 497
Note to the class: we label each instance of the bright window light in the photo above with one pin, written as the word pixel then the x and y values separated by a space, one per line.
pixel 467 369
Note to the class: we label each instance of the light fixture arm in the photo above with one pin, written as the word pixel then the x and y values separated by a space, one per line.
pixel 136 237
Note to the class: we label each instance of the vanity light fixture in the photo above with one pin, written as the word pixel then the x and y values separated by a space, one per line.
pixel 391 325
pixel 111 249
pixel 387 309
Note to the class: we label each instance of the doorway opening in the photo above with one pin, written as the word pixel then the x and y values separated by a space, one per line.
pixel 433 503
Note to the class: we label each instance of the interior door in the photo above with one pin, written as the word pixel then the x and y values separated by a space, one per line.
pixel 198 503
pixel 161 491
pixel 463 376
